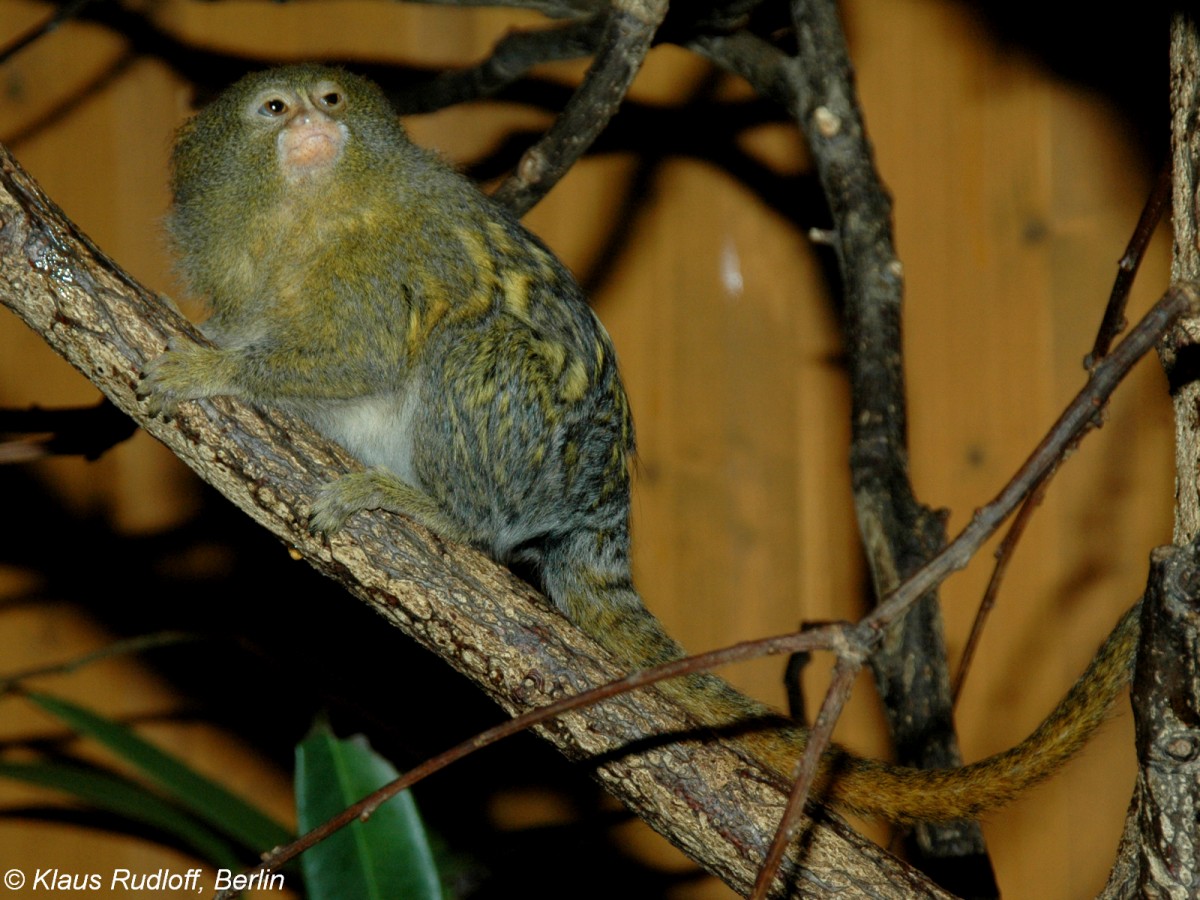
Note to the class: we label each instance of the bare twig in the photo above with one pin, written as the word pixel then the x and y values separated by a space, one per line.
pixel 626 40
pixel 1112 324
pixel 1179 352
pixel 768 70
pixel 1180 300
pixel 1004 554
pixel 1114 313
pixel 764 66
pixel 511 59
pixel 849 662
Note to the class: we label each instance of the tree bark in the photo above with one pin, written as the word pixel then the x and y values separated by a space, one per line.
pixel 1160 847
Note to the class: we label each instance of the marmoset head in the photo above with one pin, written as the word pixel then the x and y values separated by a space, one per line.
pixel 291 123
pixel 286 144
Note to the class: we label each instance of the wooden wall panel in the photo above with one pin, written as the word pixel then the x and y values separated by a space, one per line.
pixel 1014 192
pixel 1015 196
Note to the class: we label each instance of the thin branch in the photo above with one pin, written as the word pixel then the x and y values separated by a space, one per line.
pixel 820 737
pixel 1179 354
pixel 1004 554
pixel 1114 313
pixel 511 59
pixel 1179 301
pixel 763 65
pixel 627 35
pixel 1112 324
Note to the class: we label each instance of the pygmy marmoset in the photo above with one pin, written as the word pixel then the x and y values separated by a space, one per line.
pixel 359 282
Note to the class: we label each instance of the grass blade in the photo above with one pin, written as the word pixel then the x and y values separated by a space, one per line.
pixel 206 799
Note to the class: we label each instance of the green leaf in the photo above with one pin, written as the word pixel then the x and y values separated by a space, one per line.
pixel 388 856
pixel 208 800
pixel 113 793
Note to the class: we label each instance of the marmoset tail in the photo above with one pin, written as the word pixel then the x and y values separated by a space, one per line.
pixel 359 282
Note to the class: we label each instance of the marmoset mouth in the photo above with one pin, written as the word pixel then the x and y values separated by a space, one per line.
pixel 310 145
